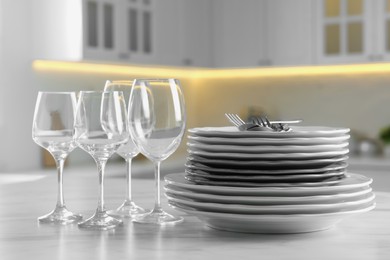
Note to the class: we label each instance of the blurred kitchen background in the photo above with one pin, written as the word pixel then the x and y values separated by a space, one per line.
pixel 324 61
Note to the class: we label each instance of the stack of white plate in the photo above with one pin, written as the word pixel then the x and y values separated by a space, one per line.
pixel 269 182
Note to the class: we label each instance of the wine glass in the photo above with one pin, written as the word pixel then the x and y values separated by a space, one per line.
pixel 127 151
pixel 157 121
pixel 101 128
pixel 53 129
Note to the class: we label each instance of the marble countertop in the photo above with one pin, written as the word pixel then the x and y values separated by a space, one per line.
pixel 25 196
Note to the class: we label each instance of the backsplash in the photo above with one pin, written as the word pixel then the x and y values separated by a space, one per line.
pixel 358 101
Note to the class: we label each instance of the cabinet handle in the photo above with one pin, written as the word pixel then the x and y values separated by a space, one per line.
pixel 124 56
pixel 265 62
pixel 375 57
pixel 379 57
pixel 187 62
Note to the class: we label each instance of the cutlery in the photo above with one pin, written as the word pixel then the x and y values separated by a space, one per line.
pixel 263 121
pixel 260 123
pixel 242 126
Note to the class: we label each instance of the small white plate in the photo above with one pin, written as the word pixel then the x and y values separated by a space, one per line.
pixel 352 181
pixel 295 223
pixel 266 200
pixel 353 204
pixel 262 177
pixel 248 141
pixel 297 131
pixel 275 164
pixel 195 146
pixel 230 171
pixel 273 156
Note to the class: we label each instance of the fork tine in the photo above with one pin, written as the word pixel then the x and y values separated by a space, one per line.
pixel 232 119
pixel 229 118
pixel 257 121
pixel 261 121
pixel 238 118
pixel 267 121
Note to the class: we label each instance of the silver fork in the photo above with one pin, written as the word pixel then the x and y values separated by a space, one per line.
pixel 235 119
pixel 259 121
pixel 275 126
pixel 243 126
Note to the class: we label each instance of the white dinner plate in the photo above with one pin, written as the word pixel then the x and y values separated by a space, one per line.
pixel 195 146
pixel 267 200
pixel 352 181
pixel 276 164
pixel 269 156
pixel 230 171
pixel 267 178
pixel 204 181
pixel 269 141
pixel 296 131
pixel 295 223
pixel 353 204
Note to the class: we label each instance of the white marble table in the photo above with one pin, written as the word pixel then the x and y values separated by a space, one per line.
pixel 26 196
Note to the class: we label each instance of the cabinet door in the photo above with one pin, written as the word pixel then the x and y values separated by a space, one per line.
pixel 166 32
pixel 289 32
pixel 382 10
pixel 136 39
pixel 195 32
pixel 239 33
pixel 101 33
pixel 344 31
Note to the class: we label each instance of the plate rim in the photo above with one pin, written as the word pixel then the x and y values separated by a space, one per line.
pixel 343 165
pixel 369 197
pixel 233 131
pixel 260 190
pixel 266 140
pixel 202 196
pixel 264 148
pixel 287 156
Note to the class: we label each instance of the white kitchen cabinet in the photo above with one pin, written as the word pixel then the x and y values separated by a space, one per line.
pixel 262 33
pixel 168 32
pixel 166 28
pixel 238 30
pixel 344 30
pixel 101 33
pixel 132 31
pixel 351 31
pixel 382 15
pixel 289 37
pixel 195 33
pixel 118 30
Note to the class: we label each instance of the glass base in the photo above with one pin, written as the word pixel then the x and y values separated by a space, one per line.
pixel 128 210
pixel 157 216
pixel 60 215
pixel 101 221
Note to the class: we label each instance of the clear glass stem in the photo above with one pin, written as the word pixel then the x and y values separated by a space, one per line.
pixel 157 205
pixel 128 180
pixel 60 196
pixel 101 165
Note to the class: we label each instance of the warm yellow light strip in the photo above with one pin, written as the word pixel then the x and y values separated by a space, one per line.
pixel 201 73
pixel 294 71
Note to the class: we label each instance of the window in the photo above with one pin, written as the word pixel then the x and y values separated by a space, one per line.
pixel 344 28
